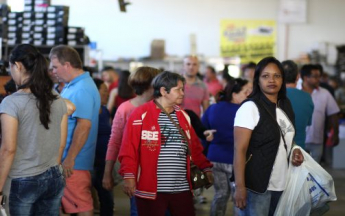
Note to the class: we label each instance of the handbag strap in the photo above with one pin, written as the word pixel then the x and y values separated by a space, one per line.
pixel 281 132
pixel 176 125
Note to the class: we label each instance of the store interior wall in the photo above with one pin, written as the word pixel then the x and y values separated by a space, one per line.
pixel 130 34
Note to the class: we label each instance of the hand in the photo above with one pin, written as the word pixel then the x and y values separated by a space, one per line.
pixel 209 176
pixel 108 181
pixel 297 157
pixel 209 134
pixel 240 197
pixel 68 165
pixel 129 187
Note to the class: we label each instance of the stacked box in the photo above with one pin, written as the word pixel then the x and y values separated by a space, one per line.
pixel 36 5
pixel 57 22
pixel 15 25
pixel 28 25
pixel 4 11
pixel 76 36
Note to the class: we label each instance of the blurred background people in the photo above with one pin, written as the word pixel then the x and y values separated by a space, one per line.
pixel 122 93
pixel 110 77
pixel 105 197
pixel 140 81
pixel 212 83
pixel 196 96
pixel 220 116
pixel 301 102
pixel 248 71
pixel 324 107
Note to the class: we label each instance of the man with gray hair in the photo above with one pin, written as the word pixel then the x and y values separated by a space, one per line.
pixel 301 101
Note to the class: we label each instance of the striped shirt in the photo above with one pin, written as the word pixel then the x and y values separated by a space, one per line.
pixel 172 161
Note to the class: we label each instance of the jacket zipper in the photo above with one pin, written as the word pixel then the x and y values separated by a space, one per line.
pixel 250 157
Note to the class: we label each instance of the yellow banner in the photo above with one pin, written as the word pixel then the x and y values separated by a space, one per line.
pixel 251 40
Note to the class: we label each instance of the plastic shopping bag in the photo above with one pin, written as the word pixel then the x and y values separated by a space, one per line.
pixel 308 188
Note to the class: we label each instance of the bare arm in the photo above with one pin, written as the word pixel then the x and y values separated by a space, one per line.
pixel 63 138
pixel 70 107
pixel 111 100
pixel 81 133
pixel 241 138
pixel 205 104
pixel 8 148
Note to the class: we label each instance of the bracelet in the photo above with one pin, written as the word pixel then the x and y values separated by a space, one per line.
pixel 1 193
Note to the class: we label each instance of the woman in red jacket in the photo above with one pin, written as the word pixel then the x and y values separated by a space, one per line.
pixel 154 154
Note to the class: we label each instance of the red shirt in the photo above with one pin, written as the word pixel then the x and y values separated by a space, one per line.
pixel 113 85
pixel 214 86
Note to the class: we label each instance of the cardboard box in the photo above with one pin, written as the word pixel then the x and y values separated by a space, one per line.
pixel 157 49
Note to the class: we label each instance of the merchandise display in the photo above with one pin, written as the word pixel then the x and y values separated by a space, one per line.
pixel 39 24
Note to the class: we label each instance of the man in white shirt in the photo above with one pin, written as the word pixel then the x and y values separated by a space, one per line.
pixel 324 106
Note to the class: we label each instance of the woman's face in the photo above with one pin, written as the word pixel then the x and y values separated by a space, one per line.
pixel 239 97
pixel 271 80
pixel 176 94
pixel 103 92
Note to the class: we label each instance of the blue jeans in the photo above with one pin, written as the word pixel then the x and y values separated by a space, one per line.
pixel 134 211
pixel 260 204
pixel 105 197
pixel 37 195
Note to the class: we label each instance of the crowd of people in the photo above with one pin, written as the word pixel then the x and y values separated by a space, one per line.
pixel 63 130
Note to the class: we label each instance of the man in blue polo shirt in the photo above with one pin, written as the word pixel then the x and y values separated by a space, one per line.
pixel 301 102
pixel 79 153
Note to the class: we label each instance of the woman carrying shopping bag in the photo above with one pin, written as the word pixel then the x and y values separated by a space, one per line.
pixel 263 134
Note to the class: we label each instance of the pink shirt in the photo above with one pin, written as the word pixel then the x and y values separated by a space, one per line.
pixel 194 95
pixel 119 123
pixel 214 86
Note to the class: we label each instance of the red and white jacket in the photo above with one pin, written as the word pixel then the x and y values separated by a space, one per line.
pixel 141 147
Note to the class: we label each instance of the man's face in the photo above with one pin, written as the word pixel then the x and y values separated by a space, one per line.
pixel 209 75
pixel 106 77
pixel 59 70
pixel 249 74
pixel 191 66
pixel 313 80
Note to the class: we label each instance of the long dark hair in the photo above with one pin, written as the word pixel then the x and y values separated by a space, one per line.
pixel 259 68
pixel 124 89
pixel 39 82
pixel 233 86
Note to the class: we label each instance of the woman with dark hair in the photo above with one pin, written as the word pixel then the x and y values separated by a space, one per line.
pixel 220 116
pixel 154 156
pixel 263 134
pixel 140 81
pixel 34 130
pixel 120 94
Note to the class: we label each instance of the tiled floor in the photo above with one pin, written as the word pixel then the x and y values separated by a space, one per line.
pixel 336 208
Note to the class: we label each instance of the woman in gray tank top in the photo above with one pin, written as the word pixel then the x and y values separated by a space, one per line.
pixel 34 128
